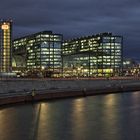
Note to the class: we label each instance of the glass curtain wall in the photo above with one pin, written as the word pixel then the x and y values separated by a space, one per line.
pixel 93 56
pixel 43 53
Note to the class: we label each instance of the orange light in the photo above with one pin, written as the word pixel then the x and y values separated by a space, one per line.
pixel 5 27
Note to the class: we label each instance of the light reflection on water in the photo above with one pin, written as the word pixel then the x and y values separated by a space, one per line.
pixel 105 117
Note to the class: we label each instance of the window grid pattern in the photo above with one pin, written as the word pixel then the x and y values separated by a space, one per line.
pixel 42 51
pixel 99 55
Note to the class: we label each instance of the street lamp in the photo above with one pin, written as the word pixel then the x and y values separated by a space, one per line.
pixel 79 70
pixel 42 69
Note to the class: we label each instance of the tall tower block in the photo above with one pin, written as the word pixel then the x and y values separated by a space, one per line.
pixel 5 46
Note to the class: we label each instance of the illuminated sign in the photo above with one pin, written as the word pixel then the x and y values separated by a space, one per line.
pixel 5 27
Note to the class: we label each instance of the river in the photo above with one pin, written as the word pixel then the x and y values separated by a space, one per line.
pixel 104 117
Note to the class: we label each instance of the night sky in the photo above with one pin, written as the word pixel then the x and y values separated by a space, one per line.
pixel 75 18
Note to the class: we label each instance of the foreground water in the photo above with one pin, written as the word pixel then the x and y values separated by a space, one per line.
pixel 105 117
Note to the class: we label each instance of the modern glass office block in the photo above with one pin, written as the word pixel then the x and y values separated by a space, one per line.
pixel 42 51
pixel 93 56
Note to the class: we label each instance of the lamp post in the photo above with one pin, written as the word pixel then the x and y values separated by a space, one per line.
pixel 43 69
pixel 79 71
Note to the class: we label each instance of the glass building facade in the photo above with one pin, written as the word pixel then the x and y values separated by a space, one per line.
pixel 93 56
pixel 40 51
pixel 5 46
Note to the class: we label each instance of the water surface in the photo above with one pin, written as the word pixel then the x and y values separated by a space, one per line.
pixel 105 117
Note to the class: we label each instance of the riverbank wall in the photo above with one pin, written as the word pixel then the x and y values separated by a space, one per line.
pixel 14 91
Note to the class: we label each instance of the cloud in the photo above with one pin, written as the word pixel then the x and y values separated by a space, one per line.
pixel 75 18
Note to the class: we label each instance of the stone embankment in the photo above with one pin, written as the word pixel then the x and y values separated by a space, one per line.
pixel 24 90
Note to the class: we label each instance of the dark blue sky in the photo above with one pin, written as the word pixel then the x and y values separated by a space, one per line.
pixel 75 18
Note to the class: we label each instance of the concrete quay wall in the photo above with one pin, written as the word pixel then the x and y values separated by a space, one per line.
pixel 13 91
pixel 12 86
